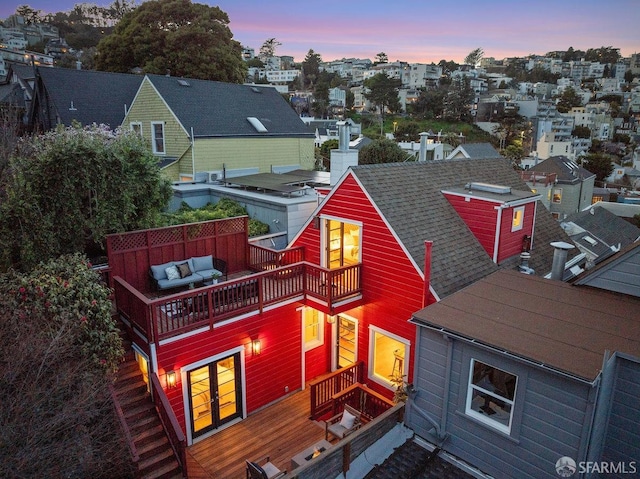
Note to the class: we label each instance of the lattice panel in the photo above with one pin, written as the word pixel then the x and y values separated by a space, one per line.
pixel 207 230
pixel 233 225
pixel 128 241
pixel 165 236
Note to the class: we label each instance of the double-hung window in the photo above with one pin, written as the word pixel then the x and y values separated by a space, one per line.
pixel 157 137
pixel 490 395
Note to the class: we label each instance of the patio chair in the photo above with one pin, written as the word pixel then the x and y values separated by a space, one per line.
pixel 221 265
pixel 343 424
pixel 263 469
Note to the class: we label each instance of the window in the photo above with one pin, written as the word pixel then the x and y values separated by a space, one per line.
pixel 313 328
pixel 518 216
pixel 490 395
pixel 136 127
pixel 389 355
pixel 157 137
pixel 557 195
pixel 342 243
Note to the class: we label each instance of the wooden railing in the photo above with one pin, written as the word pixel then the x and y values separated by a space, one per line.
pixel 203 307
pixel 263 259
pixel 536 177
pixel 323 390
pixel 135 457
pixel 360 397
pixel 169 422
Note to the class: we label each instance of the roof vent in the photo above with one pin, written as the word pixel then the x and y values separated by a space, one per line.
pixel 256 90
pixel 257 124
pixel 489 188
pixel 183 83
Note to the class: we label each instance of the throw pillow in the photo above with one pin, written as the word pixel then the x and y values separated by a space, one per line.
pixel 184 270
pixel 172 273
pixel 347 420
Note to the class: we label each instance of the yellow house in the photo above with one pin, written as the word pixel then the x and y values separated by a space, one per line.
pixel 196 126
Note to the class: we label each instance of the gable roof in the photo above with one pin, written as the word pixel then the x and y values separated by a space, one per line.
pixel 86 96
pixel 475 150
pixel 605 226
pixel 619 273
pixel 567 171
pixel 550 323
pixel 217 109
pixel 409 196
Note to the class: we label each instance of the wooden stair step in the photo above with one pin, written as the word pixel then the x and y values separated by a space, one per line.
pixel 170 469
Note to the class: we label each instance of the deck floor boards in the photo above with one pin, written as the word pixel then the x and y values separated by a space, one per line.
pixel 280 431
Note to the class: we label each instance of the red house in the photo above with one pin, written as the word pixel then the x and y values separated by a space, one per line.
pixel 338 298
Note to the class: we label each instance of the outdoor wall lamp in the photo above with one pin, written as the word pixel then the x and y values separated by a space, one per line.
pixel 331 319
pixel 256 347
pixel 171 379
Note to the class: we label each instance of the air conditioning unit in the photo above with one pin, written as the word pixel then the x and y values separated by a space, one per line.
pixel 214 176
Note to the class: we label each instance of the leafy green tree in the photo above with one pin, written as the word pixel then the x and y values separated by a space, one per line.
pixel 31 16
pixel 581 132
pixel 408 131
pixel 568 99
pixel 381 151
pixel 474 57
pixel 186 39
pixel 447 66
pixel 457 102
pixel 606 55
pixel 255 62
pixel 383 93
pixel 69 188
pixel 430 103
pixel 381 58
pixel 269 47
pixel 59 349
pixel 311 68
pixel 600 164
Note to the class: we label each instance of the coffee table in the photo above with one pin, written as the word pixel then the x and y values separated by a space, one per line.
pixel 305 456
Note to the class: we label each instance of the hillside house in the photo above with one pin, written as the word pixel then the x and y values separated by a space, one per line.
pixel 515 372
pixel 203 126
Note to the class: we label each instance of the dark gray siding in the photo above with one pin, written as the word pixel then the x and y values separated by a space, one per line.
pixel 621 276
pixel 622 439
pixel 550 418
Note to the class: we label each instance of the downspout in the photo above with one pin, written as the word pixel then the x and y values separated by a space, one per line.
pixel 496 241
pixel 193 156
pixel 585 443
pixel 428 245
pixel 447 387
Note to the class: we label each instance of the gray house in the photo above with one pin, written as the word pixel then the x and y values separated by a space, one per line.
pixel 515 374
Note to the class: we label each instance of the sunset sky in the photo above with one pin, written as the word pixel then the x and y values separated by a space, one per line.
pixel 419 30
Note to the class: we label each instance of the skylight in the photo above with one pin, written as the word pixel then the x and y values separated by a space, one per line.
pixel 257 124
pixel 183 83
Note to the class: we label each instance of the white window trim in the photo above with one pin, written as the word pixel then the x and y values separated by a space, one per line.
pixel 405 364
pixel 134 124
pixel 153 138
pixel 319 341
pixel 482 417
pixel 324 239
pixel 553 194
pixel 516 211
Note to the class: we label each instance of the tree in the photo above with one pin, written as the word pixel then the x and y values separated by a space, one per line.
pixel 381 58
pixel 186 39
pixel 457 102
pixel 381 151
pixel 67 189
pixel 407 131
pixel 59 349
pixel 383 93
pixel 598 163
pixel 474 57
pixel 311 68
pixel 430 103
pixel 268 48
pixel 568 99
pixel 581 132
pixel 30 15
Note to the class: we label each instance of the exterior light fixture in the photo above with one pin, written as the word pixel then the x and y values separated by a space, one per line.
pixel 171 379
pixel 331 319
pixel 256 347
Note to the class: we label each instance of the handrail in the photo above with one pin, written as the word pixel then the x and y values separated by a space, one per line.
pixel 322 390
pixel 370 403
pixel 135 457
pixel 169 422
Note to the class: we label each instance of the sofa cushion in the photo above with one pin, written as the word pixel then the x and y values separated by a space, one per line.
pixel 347 420
pixel 172 273
pixel 177 283
pixel 158 271
pixel 184 270
pixel 201 263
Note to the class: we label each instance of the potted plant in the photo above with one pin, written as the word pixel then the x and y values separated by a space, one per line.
pixel 215 276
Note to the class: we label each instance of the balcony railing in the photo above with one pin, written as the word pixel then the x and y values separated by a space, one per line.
pixel 323 389
pixel 179 313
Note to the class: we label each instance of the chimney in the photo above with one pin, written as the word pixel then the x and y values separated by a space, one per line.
pixel 422 155
pixel 560 249
pixel 343 157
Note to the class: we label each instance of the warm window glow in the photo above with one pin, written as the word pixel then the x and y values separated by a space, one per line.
pixel 389 356
pixel 490 395
pixel 557 195
pixel 313 328
pixel 595 199
pixel 343 243
pixel 518 216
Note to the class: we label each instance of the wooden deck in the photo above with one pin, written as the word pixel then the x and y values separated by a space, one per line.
pixel 279 431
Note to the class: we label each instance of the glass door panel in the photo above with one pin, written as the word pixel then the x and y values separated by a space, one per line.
pixel 201 400
pixel 346 344
pixel 227 389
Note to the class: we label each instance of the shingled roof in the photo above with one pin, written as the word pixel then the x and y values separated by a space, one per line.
pixel 217 109
pixel 567 171
pixel 86 96
pixel 605 226
pixel 475 150
pixel 409 197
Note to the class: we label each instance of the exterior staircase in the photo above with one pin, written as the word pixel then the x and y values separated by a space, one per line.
pixel 156 456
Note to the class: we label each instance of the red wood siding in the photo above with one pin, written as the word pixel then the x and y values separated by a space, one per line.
pixel 511 242
pixel 392 288
pixel 480 217
pixel 266 375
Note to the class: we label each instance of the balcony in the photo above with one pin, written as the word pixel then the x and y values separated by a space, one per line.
pixel 261 277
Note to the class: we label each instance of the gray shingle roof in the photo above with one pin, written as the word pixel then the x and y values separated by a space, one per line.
pixel 409 196
pixel 97 97
pixel 605 226
pixel 216 109
pixel 567 170
pixel 480 150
